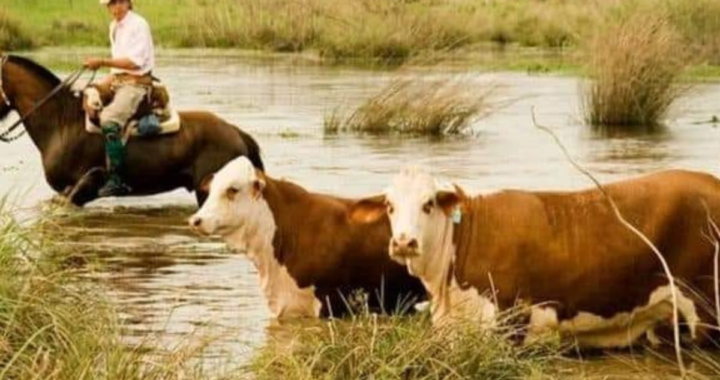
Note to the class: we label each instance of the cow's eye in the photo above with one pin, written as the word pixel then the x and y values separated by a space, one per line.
pixel 427 207
pixel 232 192
pixel 390 208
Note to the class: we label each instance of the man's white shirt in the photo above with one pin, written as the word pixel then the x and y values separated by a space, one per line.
pixel 131 38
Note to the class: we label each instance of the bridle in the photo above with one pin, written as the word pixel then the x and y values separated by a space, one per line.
pixel 5 135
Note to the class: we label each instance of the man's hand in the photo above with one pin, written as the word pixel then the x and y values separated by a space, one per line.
pixel 94 63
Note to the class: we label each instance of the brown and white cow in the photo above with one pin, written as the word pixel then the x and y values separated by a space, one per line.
pixel 309 254
pixel 564 252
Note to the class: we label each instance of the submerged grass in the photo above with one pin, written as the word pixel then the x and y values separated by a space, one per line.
pixel 418 105
pixel 408 348
pixel 634 65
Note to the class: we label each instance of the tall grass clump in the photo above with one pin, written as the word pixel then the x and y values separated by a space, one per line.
pixel 634 66
pixel 12 35
pixel 49 327
pixel 408 348
pixel 419 106
pixel 55 326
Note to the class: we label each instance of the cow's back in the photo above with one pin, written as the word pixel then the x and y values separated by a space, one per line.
pixel 570 248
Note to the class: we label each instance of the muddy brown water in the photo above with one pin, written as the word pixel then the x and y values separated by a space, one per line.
pixel 168 283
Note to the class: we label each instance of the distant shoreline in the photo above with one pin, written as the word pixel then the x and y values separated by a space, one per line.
pixel 371 32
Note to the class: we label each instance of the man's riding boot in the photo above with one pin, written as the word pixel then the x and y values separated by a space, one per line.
pixel 116 157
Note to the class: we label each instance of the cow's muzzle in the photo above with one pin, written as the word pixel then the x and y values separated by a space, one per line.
pixel 196 224
pixel 403 247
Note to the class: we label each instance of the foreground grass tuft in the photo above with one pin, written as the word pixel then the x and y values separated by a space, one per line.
pixel 56 326
pixel 634 66
pixel 419 106
pixel 12 35
pixel 373 347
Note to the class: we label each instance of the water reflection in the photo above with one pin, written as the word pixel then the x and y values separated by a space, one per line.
pixel 165 281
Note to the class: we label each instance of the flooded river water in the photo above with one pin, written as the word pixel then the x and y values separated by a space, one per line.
pixel 168 282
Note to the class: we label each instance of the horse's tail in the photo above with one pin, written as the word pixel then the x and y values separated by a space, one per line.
pixel 253 149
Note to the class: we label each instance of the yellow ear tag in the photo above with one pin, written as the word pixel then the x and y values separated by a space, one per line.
pixel 457 215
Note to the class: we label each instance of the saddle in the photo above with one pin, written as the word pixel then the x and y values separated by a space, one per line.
pixel 156 103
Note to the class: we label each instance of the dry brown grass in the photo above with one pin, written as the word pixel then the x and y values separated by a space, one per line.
pixel 699 22
pixel 634 65
pixel 381 30
pixel 420 106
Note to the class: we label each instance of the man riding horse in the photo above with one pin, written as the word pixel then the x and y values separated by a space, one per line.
pixel 131 65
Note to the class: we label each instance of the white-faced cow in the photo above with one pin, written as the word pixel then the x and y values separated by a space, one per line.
pixel 309 254
pixel 564 252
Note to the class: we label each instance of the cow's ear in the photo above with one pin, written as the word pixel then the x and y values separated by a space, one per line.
pixel 368 210
pixel 448 200
pixel 258 184
pixel 205 183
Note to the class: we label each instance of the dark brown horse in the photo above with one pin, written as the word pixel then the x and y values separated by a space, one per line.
pixel 74 160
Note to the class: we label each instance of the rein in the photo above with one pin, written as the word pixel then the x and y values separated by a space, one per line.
pixel 72 78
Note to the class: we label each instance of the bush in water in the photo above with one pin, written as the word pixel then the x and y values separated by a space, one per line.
pixel 634 65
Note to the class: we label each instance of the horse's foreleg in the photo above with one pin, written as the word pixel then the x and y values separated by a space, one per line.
pixel 86 189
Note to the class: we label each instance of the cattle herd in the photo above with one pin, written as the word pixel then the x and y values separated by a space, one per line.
pixel 565 255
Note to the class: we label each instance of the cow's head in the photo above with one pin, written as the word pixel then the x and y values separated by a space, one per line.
pixel 418 209
pixel 234 197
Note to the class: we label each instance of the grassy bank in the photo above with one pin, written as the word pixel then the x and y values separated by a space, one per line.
pixel 377 30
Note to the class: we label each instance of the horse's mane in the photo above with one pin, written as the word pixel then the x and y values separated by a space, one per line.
pixel 70 106
pixel 36 68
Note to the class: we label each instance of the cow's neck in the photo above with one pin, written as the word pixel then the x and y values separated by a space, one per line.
pixel 285 298
pixel 292 206
pixel 437 270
